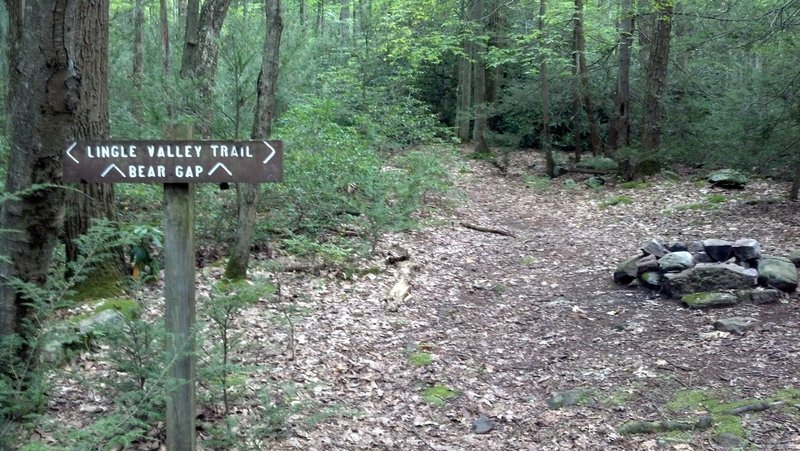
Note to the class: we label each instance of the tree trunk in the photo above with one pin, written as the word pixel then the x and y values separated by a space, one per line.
pixel 794 191
pixel 550 164
pixel 43 96
pixel 479 81
pixel 580 49
pixel 201 61
pixel 577 105
pixel 464 95
pixel 88 43
pixel 190 39
pixel 619 134
pixel 318 25
pixel 464 89
pixel 656 77
pixel 138 55
pixel 166 62
pixel 249 193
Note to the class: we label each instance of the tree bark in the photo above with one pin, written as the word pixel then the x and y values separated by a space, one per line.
pixel 249 193
pixel 138 54
pixel 550 165
pixel 479 81
pixel 464 89
pixel 580 50
pixel 320 22
pixel 43 93
pixel 619 134
pixel 190 39
pixel 656 76
pixel 88 43
pixel 201 56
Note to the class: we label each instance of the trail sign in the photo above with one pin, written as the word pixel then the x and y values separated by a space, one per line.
pixel 168 161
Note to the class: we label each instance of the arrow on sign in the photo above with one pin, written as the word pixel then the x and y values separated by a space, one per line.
pixel 109 168
pixel 272 152
pixel 217 166
pixel 69 152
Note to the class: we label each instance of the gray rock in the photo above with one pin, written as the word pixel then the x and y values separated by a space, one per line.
pixel 626 271
pixel 795 258
pixel 701 257
pixel 760 296
pixel 655 247
pixel 651 279
pixel 708 277
pixel 726 441
pixel 568 398
pixel 736 324
pixel 695 246
pixel 646 263
pixel 718 250
pixel 728 178
pixel 746 249
pixel 777 272
pixel 676 261
pixel 707 299
pixel 104 319
pixel 678 246
pixel 482 425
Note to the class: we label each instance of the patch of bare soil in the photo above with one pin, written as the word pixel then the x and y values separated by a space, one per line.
pixel 510 321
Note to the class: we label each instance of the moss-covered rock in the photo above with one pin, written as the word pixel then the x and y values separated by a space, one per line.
pixel 709 299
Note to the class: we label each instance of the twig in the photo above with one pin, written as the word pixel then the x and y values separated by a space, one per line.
pixel 755 407
pixel 479 228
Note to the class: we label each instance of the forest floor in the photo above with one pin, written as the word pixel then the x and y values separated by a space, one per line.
pixel 494 326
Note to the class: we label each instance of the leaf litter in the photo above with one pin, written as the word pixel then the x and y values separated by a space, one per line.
pixel 508 321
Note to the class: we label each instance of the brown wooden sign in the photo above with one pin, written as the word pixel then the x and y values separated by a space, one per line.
pixel 173 161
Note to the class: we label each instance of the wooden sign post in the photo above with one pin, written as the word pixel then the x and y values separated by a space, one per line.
pixel 177 163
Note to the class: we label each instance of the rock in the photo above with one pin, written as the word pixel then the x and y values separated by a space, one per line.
pixel 568 398
pixel 706 299
pixel 718 250
pixel 701 257
pixel 708 277
pixel 595 182
pixel 695 246
pixel 736 324
pixel 727 178
pixel 559 170
pixel 646 263
pixel 651 279
pixel 655 247
pixel 746 249
pixel 760 296
pixel 795 258
pixel 726 440
pixel 777 272
pixel 104 319
pixel 676 261
pixel 626 271
pixel 482 425
pixel 678 246
pixel 569 183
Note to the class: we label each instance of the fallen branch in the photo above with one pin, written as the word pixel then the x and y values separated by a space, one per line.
pixel 754 407
pixel 479 228
pixel 648 427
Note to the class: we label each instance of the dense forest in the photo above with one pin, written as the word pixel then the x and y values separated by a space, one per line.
pixel 375 101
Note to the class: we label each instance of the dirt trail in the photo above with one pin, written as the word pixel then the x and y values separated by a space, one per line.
pixel 509 321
